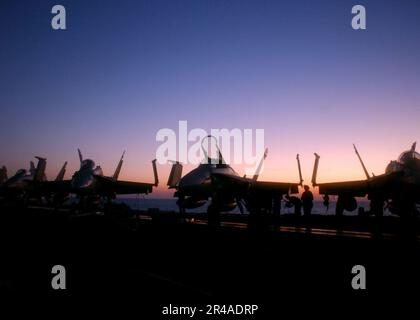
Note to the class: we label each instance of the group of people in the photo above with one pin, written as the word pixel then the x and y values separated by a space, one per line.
pixel 306 201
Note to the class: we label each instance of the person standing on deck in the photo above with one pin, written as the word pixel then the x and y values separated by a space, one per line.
pixel 307 201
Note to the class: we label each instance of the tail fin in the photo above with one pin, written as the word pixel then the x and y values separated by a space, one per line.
pixel 300 170
pixel 3 174
pixel 80 155
pixel 361 162
pixel 155 174
pixel 413 150
pixel 39 174
pixel 118 169
pixel 260 165
pixel 315 172
pixel 32 168
pixel 175 175
pixel 61 173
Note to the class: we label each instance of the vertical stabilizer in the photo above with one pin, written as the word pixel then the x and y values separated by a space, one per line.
pixel 300 170
pixel 413 148
pixel 260 165
pixel 155 173
pixel 175 175
pixel 80 155
pixel 32 168
pixel 40 169
pixel 361 162
pixel 61 173
pixel 315 171
pixel 118 169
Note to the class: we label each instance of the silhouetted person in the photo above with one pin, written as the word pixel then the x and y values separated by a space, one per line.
pixel 326 202
pixel 294 201
pixel 307 201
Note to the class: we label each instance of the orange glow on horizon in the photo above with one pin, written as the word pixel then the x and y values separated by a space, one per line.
pixel 338 162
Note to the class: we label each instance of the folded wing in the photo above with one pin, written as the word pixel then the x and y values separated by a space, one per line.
pixel 109 185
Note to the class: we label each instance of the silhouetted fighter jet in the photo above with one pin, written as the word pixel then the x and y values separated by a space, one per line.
pixel 26 183
pixel 90 181
pixel 398 187
pixel 217 181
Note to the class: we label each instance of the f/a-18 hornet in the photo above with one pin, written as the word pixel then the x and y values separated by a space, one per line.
pixel 398 189
pixel 89 182
pixel 217 182
pixel 25 184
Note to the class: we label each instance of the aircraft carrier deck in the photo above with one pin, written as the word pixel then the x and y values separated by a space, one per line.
pixel 156 258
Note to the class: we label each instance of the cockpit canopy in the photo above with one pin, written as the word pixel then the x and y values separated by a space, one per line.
pixel 408 156
pixel 87 163
pixel 21 172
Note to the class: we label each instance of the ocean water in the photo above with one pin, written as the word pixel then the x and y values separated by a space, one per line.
pixel 170 205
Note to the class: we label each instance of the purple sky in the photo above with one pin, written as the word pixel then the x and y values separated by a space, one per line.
pixel 125 69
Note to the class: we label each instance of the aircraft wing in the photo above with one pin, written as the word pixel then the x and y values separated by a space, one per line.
pixel 61 186
pixel 360 188
pixel 357 188
pixel 108 185
pixel 274 188
pixel 243 186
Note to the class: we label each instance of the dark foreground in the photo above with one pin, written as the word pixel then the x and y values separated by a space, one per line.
pixel 142 265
